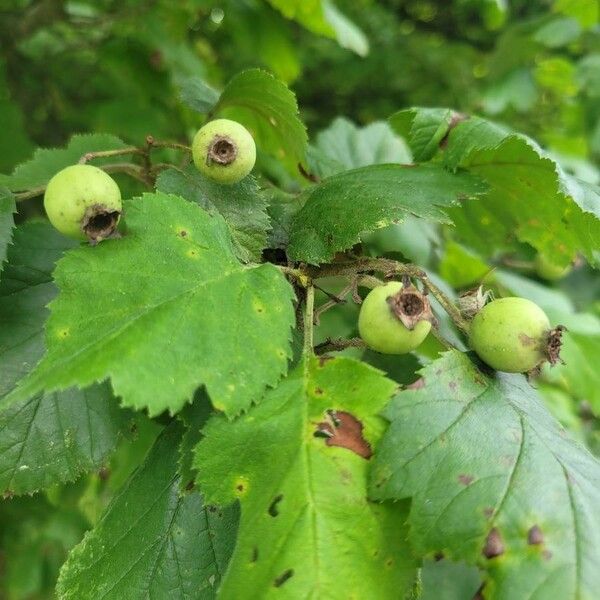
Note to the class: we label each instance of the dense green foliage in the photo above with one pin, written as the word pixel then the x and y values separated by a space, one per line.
pixel 186 409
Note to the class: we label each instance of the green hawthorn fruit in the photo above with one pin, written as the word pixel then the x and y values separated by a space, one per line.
pixel 514 335
pixel 83 202
pixel 224 151
pixel 394 319
pixel 548 270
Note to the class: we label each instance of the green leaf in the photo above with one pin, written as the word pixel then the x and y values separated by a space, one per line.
pixel 269 110
pixel 241 205
pixel 347 33
pixel 53 438
pixel 309 13
pixel 44 439
pixel 7 222
pixel 351 146
pixel 152 542
pixel 307 529
pixel 423 129
pixel 45 163
pixel 194 417
pixel 530 196
pixel 523 506
pixel 445 580
pixel 163 310
pixel 198 95
pixel 343 207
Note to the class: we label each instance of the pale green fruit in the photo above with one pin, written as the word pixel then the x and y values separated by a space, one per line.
pixel 548 270
pixel 224 151
pixel 83 202
pixel 381 329
pixel 511 335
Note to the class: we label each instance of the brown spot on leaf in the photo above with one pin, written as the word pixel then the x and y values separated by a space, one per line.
pixel 273 509
pixel 323 359
pixel 535 536
pixel 455 119
pixel 183 233
pixel 494 546
pixel 546 554
pixel 279 581
pixel 452 385
pixel 345 432
pixel 488 512
pixel 318 391
pixel 438 556
pixel 465 479
pixel 416 385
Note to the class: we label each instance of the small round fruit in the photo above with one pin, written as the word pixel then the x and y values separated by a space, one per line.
pixel 511 335
pixel 224 151
pixel 548 270
pixel 83 202
pixel 381 329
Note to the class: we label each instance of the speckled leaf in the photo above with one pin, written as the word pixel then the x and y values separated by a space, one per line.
pixel 7 210
pixel 530 198
pixel 44 439
pixel 346 205
pixel 241 205
pixel 152 542
pixel 494 480
pixel 46 162
pixel 307 529
pixel 163 310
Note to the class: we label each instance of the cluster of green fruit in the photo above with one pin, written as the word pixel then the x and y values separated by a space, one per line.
pixel 84 202
pixel 509 334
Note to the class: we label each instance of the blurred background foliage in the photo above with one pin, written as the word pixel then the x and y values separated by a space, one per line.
pixel 116 66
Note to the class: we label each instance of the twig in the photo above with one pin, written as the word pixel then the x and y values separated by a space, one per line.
pixel 338 344
pixel 391 267
pixel 308 320
pixel 108 153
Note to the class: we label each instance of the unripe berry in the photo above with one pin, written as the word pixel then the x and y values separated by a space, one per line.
pixel 514 335
pixel 548 270
pixel 224 151
pixel 83 202
pixel 380 322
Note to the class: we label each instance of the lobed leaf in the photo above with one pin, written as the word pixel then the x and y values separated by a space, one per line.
pixel 494 481
pixel 241 205
pixel 530 197
pixel 163 310
pixel 152 542
pixel 343 207
pixel 44 438
pixel 307 529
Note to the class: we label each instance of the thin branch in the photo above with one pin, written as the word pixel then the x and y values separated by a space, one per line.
pixel 308 320
pixel 108 153
pixel 389 268
pixel 338 344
